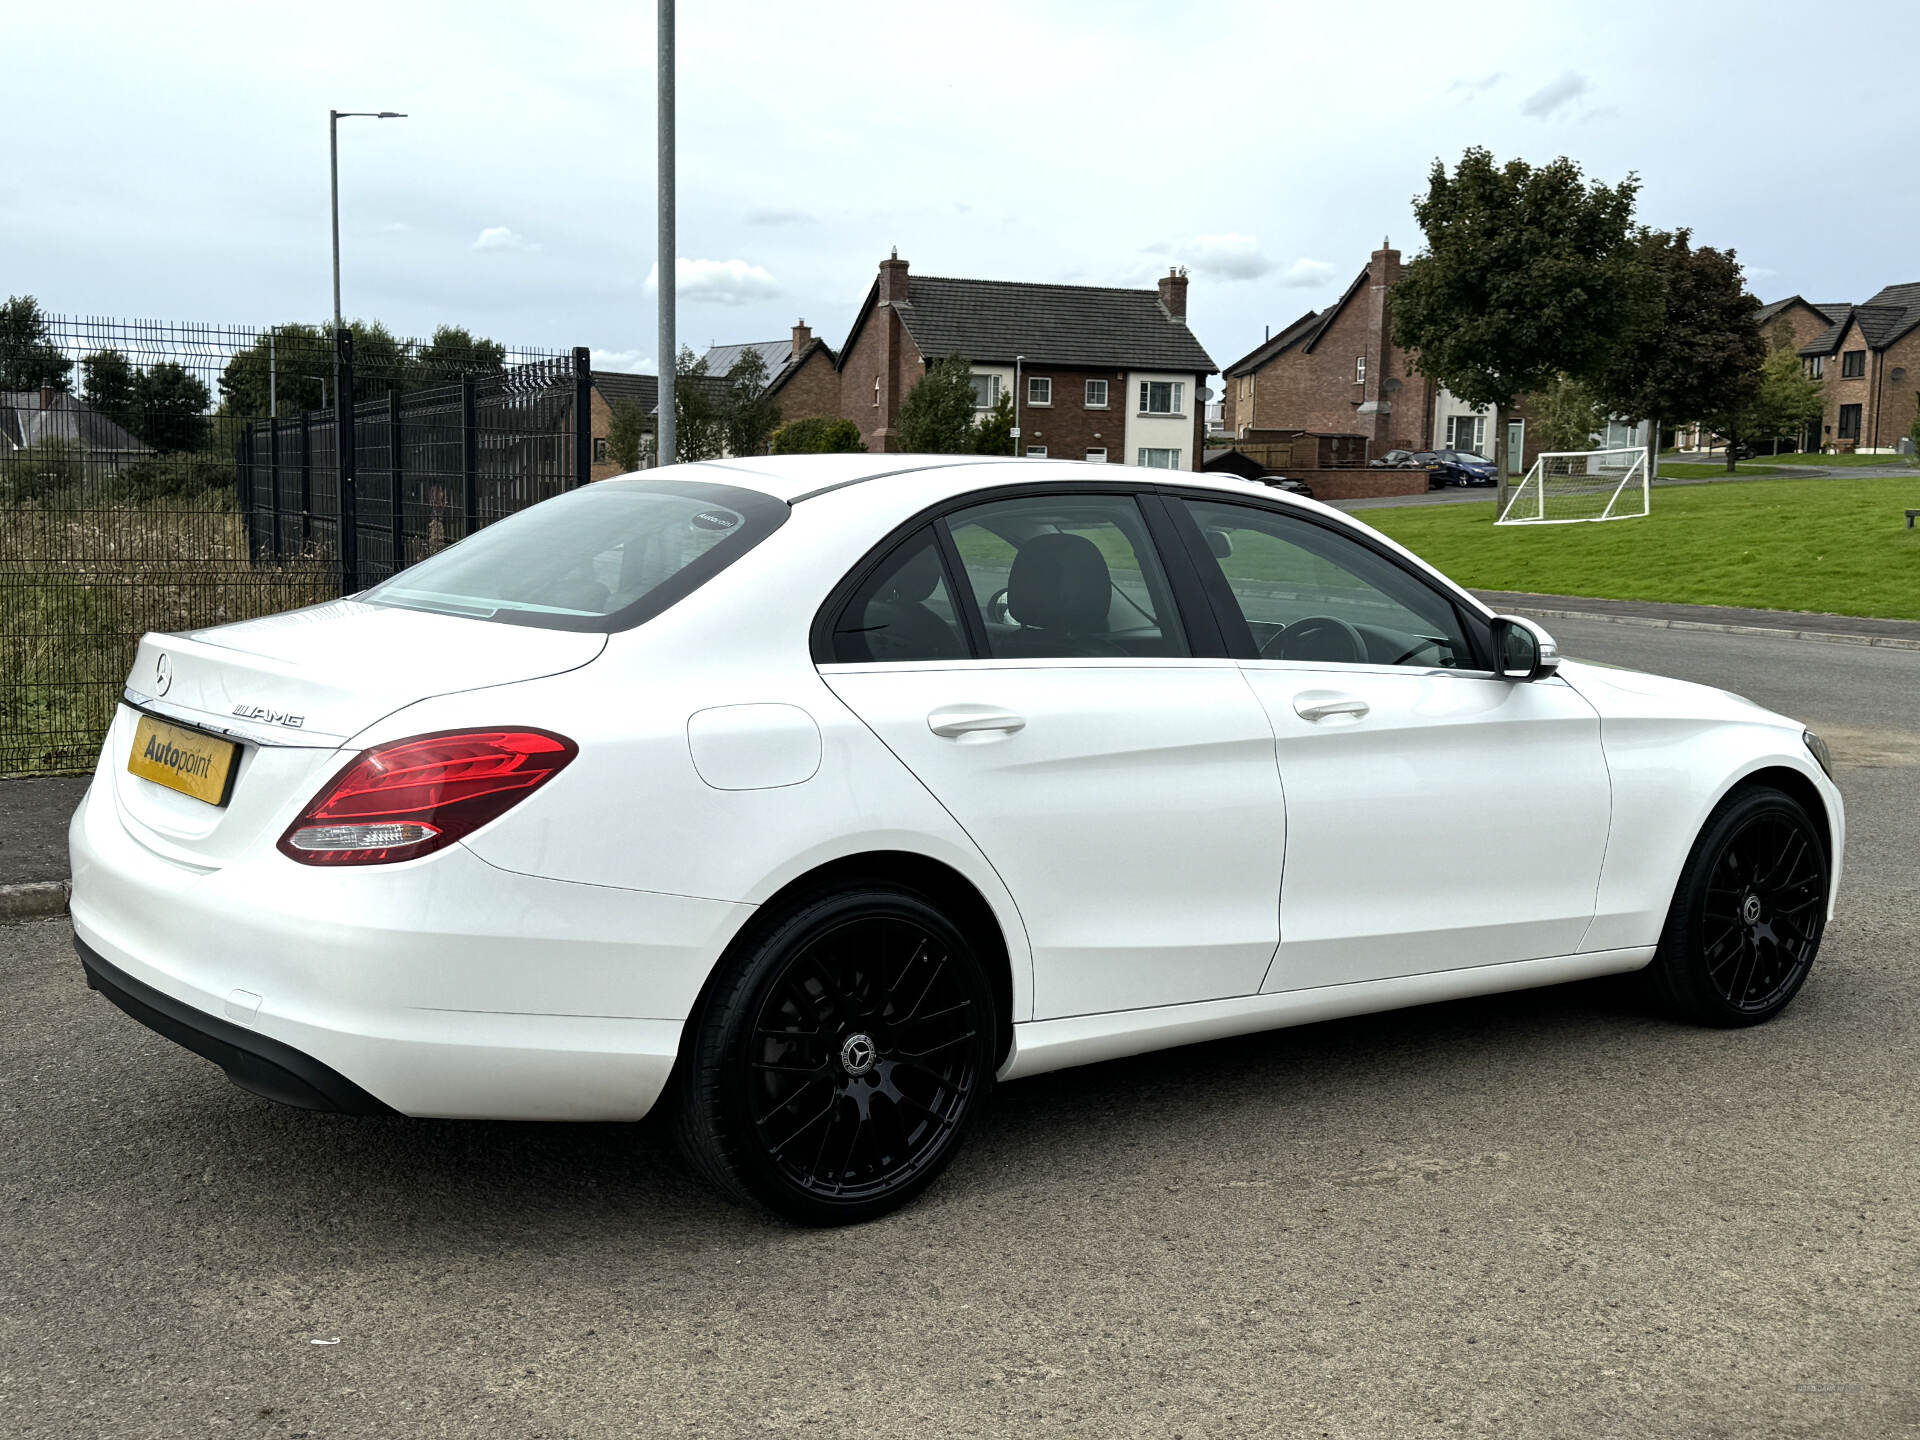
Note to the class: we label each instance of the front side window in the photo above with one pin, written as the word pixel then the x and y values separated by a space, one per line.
pixel 903 612
pixel 1066 577
pixel 1098 456
pixel 1465 432
pixel 1156 458
pixel 1096 394
pixel 986 390
pixel 1849 422
pixel 1036 452
pixel 603 557
pixel 1039 390
pixel 1853 365
pixel 1161 397
pixel 1359 369
pixel 1310 594
pixel 876 392
pixel 1816 366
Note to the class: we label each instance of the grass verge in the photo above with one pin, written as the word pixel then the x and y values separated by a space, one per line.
pixel 1813 545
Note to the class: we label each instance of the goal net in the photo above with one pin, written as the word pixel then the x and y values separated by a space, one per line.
pixel 1569 485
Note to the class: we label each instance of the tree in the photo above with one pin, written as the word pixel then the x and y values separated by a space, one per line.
pixel 1566 415
pixel 818 435
pixel 1523 278
pixel 752 415
pixel 994 434
pixel 1692 345
pixel 700 425
pixel 1779 399
pixel 292 366
pixel 453 352
pixel 627 428
pixel 110 386
pixel 28 358
pixel 170 407
pixel 937 415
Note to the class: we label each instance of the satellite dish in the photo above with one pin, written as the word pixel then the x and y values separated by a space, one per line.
pixel 1392 385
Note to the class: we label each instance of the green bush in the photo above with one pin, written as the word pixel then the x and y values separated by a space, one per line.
pixel 41 471
pixel 818 436
pixel 201 478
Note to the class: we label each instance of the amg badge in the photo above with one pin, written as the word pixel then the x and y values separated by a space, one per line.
pixel 269 716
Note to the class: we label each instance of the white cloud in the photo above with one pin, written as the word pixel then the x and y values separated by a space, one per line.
pixel 394 227
pixel 775 215
pixel 1555 93
pixel 499 237
pixel 1237 257
pixel 631 362
pixel 1467 89
pixel 1304 273
pixel 717 282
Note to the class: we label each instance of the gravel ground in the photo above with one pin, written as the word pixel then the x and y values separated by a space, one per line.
pixel 1543 1214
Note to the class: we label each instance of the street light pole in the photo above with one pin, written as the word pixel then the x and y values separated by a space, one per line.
pixel 334 117
pixel 1018 361
pixel 665 251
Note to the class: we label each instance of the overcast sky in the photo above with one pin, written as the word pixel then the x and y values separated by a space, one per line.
pixel 170 161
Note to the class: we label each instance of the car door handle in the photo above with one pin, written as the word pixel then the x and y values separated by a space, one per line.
pixel 954 721
pixel 1325 704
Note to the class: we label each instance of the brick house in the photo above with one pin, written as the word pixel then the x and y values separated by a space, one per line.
pixel 1869 357
pixel 609 388
pixel 1104 374
pixel 1338 372
pixel 802 372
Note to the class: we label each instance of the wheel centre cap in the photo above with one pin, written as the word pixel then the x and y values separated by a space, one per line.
pixel 1750 910
pixel 858 1054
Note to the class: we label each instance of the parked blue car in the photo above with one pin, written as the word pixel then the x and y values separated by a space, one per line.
pixel 1457 467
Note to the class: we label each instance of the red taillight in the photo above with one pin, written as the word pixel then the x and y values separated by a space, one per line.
pixel 407 799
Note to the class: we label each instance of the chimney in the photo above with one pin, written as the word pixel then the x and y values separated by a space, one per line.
pixel 893 279
pixel 1378 388
pixel 1173 292
pixel 802 337
pixel 46 397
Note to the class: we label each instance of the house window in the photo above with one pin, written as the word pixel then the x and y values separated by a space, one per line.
pixel 876 392
pixel 1096 394
pixel 1359 369
pixel 986 391
pixel 1036 452
pixel 1039 390
pixel 599 449
pixel 1098 457
pixel 1816 366
pixel 1853 365
pixel 1246 387
pixel 1465 432
pixel 1849 422
pixel 1156 459
pixel 1161 397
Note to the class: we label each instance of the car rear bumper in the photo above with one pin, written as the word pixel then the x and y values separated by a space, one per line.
pixel 439 987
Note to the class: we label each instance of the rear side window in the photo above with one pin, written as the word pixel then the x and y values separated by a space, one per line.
pixel 903 612
pixel 605 557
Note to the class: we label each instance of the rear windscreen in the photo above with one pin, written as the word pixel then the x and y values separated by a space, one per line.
pixel 605 557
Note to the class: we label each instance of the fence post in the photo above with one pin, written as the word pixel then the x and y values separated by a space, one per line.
pixel 346 460
pixel 243 485
pixel 306 480
pixel 582 415
pixel 273 480
pixel 469 457
pixel 395 560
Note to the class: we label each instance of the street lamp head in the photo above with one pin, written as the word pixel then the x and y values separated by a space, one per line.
pixel 391 115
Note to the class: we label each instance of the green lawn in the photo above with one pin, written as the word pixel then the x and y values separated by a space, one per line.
pixel 1835 546
pixel 1689 470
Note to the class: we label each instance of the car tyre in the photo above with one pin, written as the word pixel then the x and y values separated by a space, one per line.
pixel 1748 914
pixel 834 1068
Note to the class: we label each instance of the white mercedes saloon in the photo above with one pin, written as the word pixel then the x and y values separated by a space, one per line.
pixel 805 798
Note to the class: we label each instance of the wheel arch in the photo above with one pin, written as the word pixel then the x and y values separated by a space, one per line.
pixel 1792 782
pixel 936 880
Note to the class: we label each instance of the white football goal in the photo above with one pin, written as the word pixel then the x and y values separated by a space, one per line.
pixel 1566 486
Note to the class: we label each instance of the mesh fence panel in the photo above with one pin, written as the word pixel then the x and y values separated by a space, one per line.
pixel 174 476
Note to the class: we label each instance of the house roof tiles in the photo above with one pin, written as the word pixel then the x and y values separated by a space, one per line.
pixel 1072 325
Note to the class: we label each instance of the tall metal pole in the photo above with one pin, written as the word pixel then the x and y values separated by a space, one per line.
pixel 333 164
pixel 664 250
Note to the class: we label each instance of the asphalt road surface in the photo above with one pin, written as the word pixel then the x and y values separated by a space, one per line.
pixel 1543 1214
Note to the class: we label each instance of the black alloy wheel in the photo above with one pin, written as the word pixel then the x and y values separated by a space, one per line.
pixel 833 1078
pixel 1748 914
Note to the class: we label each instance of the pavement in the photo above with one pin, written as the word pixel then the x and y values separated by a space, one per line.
pixel 1551 1213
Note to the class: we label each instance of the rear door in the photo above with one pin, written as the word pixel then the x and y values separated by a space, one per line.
pixel 1438 817
pixel 1028 660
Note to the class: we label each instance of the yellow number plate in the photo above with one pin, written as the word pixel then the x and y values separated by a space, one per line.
pixel 181 759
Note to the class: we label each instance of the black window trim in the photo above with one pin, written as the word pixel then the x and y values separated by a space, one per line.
pixel 1226 611
pixel 1194 614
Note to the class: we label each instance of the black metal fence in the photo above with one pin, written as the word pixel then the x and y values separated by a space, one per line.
pixel 167 477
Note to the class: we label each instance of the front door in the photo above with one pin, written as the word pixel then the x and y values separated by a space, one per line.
pixel 1516 447
pixel 1124 791
pixel 1438 817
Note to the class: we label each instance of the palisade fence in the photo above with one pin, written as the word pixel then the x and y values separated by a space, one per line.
pixel 180 476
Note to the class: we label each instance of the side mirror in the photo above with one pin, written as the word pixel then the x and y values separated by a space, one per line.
pixel 1522 649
